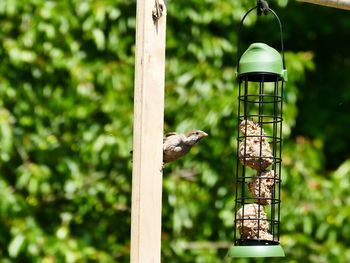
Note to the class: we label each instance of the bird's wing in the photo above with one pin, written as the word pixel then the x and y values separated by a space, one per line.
pixel 172 141
pixel 168 135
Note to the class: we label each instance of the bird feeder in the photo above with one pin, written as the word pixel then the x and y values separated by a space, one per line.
pixel 261 74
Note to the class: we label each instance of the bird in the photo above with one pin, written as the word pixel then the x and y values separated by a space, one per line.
pixel 176 145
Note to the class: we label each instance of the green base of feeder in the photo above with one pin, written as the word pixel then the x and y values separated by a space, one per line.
pixel 255 251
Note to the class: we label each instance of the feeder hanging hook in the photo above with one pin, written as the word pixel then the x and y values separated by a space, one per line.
pixel 262 7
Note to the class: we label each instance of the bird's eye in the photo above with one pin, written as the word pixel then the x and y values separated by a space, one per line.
pixel 197 133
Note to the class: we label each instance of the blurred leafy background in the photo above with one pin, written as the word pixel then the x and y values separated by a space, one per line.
pixel 66 113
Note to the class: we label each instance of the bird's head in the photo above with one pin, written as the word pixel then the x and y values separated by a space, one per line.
pixel 193 137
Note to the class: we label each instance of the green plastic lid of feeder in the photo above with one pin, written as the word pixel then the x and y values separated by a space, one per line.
pixel 255 251
pixel 261 58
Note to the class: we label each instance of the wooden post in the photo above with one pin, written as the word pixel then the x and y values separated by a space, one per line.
pixel 148 131
pixel 341 4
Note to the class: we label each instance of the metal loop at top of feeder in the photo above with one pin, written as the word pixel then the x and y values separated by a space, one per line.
pixel 262 7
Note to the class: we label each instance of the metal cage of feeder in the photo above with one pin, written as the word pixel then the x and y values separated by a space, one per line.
pixel 261 73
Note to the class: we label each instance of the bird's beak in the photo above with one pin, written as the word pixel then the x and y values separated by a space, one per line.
pixel 204 134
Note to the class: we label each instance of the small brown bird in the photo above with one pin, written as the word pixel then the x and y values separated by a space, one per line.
pixel 176 145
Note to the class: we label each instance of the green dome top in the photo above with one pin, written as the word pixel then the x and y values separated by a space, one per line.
pixel 261 58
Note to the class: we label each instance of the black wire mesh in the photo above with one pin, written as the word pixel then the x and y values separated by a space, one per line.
pixel 258 169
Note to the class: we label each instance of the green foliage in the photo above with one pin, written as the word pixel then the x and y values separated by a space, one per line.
pixel 66 120
pixel 66 111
